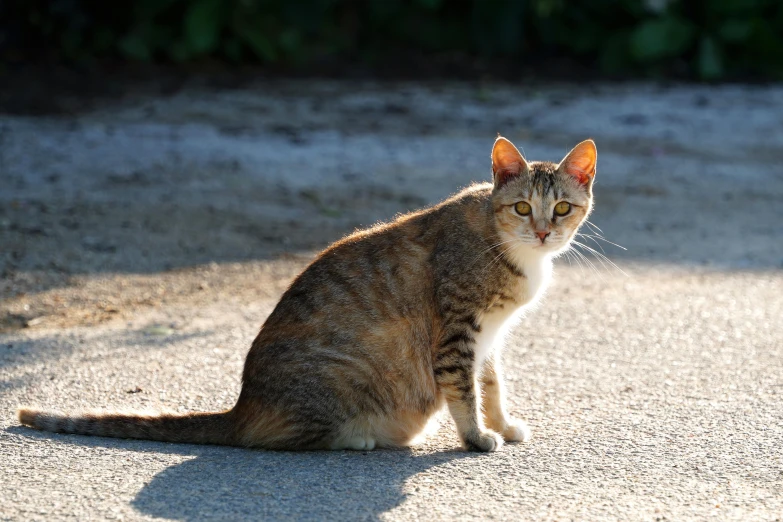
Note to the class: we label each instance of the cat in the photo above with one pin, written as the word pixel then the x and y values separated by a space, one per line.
pixel 389 324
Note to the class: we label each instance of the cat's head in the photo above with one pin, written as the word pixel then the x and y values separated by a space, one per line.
pixel 540 205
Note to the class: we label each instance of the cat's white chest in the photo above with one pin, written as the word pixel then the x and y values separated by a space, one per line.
pixel 538 272
pixel 496 322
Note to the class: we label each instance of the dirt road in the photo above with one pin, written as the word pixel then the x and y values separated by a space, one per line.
pixel 143 244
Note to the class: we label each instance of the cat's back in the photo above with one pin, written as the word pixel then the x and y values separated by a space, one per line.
pixel 380 273
pixel 421 228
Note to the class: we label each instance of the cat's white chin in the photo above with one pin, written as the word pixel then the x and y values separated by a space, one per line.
pixel 538 250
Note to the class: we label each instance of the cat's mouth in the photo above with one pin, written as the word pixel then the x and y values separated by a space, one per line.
pixel 547 246
pixel 543 243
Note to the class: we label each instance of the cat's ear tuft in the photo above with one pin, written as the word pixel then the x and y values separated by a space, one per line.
pixel 580 162
pixel 507 162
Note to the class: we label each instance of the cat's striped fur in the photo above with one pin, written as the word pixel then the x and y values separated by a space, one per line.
pixel 390 323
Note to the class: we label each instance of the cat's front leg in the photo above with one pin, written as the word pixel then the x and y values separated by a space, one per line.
pixel 456 378
pixel 493 403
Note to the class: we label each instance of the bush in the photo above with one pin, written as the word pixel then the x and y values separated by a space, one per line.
pixel 705 39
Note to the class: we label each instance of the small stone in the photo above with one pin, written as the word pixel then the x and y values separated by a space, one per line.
pixel 158 330
pixel 36 321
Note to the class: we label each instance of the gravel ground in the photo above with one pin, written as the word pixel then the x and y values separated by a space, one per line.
pixel 143 244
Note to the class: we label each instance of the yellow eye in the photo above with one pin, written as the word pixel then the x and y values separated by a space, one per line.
pixel 523 208
pixel 562 208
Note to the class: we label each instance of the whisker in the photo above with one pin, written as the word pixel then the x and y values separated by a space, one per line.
pixel 594 226
pixel 567 258
pixel 492 261
pixel 592 238
pixel 605 258
pixel 569 254
pixel 602 238
pixel 504 252
pixel 589 263
pixel 593 253
pixel 490 248
pixel 497 258
pixel 601 257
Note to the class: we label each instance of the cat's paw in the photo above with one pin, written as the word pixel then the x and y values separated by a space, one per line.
pixel 516 431
pixel 355 443
pixel 484 441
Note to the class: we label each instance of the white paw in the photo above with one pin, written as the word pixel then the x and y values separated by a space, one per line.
pixel 357 443
pixel 516 431
pixel 484 441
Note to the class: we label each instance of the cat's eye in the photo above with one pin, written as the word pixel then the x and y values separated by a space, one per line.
pixel 562 208
pixel 523 208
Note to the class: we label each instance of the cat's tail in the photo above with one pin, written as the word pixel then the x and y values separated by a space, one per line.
pixel 195 428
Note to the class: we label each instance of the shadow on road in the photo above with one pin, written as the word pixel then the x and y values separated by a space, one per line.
pixel 51 348
pixel 227 484
pixel 231 483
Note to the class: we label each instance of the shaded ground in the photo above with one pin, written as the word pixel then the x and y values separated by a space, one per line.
pixel 144 243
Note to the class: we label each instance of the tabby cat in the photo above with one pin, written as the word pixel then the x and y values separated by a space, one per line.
pixel 390 323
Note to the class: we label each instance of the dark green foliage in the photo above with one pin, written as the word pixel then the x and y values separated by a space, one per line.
pixel 706 39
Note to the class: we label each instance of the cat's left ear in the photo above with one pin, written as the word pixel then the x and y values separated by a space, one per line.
pixel 507 162
pixel 580 162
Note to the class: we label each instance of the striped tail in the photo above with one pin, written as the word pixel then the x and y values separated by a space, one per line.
pixel 194 428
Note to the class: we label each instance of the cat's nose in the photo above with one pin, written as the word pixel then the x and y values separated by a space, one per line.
pixel 542 235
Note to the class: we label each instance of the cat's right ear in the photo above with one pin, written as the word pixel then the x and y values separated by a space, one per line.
pixel 507 162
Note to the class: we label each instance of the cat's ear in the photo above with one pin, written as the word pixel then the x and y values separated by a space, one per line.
pixel 507 162
pixel 580 162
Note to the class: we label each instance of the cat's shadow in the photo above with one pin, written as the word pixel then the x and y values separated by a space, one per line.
pixel 237 484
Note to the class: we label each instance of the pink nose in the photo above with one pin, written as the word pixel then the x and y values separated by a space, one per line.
pixel 542 235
